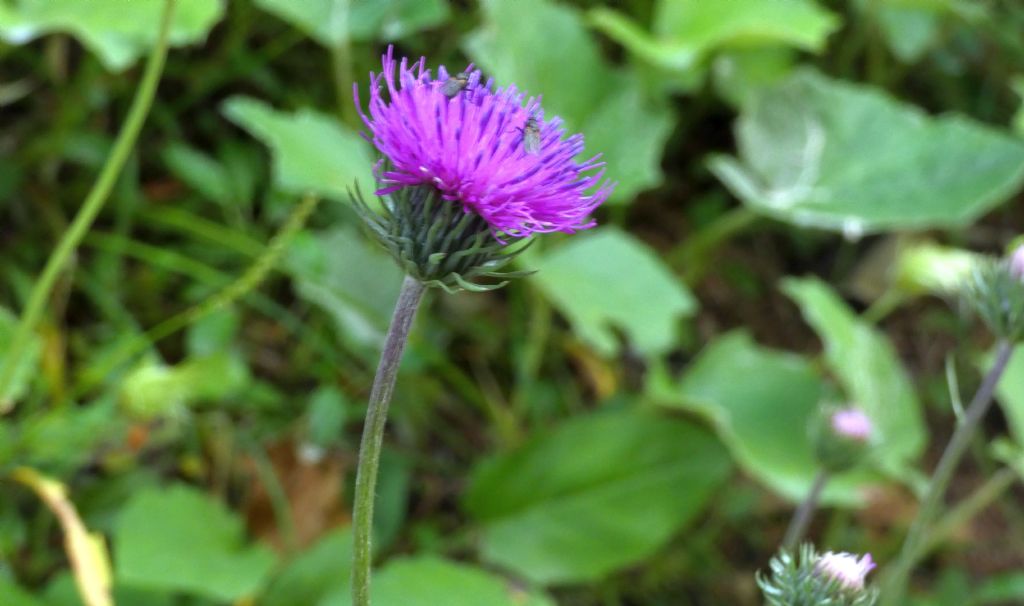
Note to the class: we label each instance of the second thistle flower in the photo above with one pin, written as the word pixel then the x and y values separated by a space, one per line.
pixel 467 167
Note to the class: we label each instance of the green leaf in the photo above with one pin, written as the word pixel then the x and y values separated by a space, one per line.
pixel 595 494
pixel 158 391
pixel 349 277
pixel 870 372
pixel 396 19
pixel 117 32
pixel 201 172
pixel 179 539
pixel 603 103
pixel 763 418
pixel 321 570
pixel 608 279
pixel 818 152
pixel 329 22
pixel 25 368
pixel 312 152
pixel 60 440
pixel 430 581
pixel 686 31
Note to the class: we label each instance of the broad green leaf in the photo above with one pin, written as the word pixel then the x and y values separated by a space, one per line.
pixel 760 402
pixel 117 32
pixel 326 21
pixel 430 581
pixel 25 368
pixel 321 570
pixel 59 440
pixel 396 19
pixel 329 22
pixel 819 152
pixel 595 494
pixel 179 539
pixel 609 280
pixel 629 133
pixel 602 102
pixel 311 151
pixel 869 370
pixel 350 278
pixel 686 31
pixel 910 32
pixel 741 75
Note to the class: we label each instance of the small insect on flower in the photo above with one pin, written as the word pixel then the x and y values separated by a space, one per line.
pixel 455 84
pixel 531 136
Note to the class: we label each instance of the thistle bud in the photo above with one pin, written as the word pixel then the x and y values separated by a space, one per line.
pixel 995 291
pixel 841 437
pixel 832 579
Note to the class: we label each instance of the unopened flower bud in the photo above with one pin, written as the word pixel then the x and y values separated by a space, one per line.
pixel 835 579
pixel 841 437
pixel 1016 262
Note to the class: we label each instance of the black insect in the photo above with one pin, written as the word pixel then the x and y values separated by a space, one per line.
pixel 455 84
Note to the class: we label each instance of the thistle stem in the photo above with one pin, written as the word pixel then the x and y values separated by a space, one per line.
pixel 802 517
pixel 373 437
pixel 90 207
pixel 895 586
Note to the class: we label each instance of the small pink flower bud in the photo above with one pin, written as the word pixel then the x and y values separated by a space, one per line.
pixel 846 568
pixel 852 423
pixel 1017 263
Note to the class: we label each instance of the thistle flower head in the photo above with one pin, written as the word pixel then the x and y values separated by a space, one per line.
pixel 852 423
pixel 810 579
pixel 489 150
pixel 846 568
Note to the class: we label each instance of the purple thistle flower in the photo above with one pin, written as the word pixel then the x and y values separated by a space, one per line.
pixel 469 145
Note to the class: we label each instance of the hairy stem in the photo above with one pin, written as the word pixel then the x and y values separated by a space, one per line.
pixel 90 208
pixel 802 517
pixel 373 437
pixel 895 586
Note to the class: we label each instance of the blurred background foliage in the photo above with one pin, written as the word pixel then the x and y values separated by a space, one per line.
pixel 800 185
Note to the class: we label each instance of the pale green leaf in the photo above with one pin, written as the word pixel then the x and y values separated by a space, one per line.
pixel 312 152
pixel 609 280
pixel 431 581
pixel 1010 391
pixel 320 571
pixel 593 495
pixel 819 152
pixel 179 539
pixel 869 370
pixel 329 22
pixel 760 402
pixel 685 32
pixel 117 32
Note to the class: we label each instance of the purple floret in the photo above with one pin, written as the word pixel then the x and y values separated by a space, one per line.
pixel 470 148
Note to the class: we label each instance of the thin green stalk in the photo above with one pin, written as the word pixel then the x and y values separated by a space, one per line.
pixel 694 255
pixel 90 208
pixel 985 495
pixel 895 586
pixel 802 517
pixel 373 437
